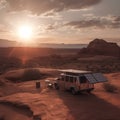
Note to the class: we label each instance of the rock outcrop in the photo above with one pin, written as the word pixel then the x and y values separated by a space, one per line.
pixel 101 47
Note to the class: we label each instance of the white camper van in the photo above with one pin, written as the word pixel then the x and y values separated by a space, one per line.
pixel 77 80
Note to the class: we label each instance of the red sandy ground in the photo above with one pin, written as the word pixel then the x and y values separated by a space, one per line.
pixel 50 104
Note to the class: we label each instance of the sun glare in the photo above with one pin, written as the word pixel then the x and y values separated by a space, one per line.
pixel 25 32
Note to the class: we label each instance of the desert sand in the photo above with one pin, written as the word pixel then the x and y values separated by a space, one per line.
pixel 22 101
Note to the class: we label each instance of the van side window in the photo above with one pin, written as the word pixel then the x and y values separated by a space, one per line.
pixel 82 79
pixel 71 79
pixel 62 78
pixel 75 79
pixel 66 78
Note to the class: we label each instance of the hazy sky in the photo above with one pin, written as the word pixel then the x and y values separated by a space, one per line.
pixel 61 21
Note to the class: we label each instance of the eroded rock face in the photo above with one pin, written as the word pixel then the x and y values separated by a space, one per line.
pixel 101 47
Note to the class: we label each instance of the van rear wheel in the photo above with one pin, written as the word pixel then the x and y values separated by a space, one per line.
pixel 73 91
pixel 89 91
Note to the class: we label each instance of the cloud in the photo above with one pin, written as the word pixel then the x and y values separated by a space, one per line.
pixel 50 27
pixel 86 23
pixel 42 6
pixel 4 29
pixel 97 22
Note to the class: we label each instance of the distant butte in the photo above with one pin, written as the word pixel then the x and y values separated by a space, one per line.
pixel 101 47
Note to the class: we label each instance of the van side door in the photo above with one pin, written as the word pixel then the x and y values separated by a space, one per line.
pixel 84 84
pixel 70 82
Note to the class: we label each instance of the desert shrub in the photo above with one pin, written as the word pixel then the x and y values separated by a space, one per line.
pixel 28 75
pixel 32 74
pixel 110 87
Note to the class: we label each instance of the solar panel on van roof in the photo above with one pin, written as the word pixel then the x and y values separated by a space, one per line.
pixel 95 78
pixel 99 77
pixel 90 78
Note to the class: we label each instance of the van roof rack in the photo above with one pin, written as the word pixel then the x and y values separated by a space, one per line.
pixel 74 71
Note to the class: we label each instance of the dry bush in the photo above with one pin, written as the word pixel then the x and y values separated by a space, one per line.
pixel 28 75
pixel 32 74
pixel 110 87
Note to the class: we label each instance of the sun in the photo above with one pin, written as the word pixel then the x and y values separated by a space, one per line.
pixel 25 32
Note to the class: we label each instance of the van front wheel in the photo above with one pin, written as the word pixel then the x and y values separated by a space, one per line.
pixel 56 86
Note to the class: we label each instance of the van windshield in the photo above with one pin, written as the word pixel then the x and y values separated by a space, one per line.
pixel 82 79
